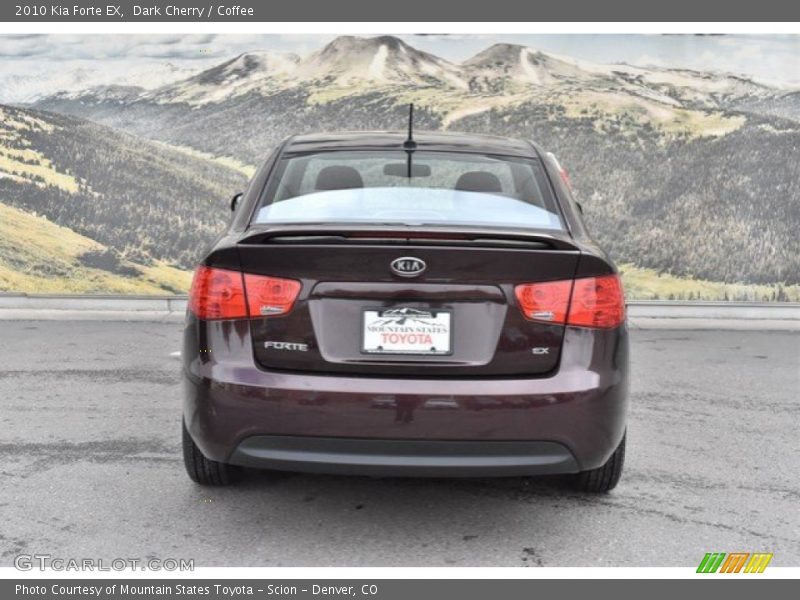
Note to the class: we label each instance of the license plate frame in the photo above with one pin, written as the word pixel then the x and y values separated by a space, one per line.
pixel 420 324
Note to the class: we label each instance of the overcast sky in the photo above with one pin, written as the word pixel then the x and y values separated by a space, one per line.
pixel 28 62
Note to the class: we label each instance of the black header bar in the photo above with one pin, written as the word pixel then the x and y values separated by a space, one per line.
pixel 440 11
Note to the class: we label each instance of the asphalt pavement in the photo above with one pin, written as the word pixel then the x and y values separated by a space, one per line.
pixel 90 467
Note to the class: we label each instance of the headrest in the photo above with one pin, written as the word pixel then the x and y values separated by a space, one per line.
pixel 338 178
pixel 479 181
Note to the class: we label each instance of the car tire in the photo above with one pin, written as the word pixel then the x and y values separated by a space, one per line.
pixel 603 479
pixel 202 470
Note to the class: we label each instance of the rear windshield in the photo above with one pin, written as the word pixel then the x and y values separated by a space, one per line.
pixel 386 187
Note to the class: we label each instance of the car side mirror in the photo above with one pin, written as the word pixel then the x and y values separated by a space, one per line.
pixel 580 208
pixel 235 201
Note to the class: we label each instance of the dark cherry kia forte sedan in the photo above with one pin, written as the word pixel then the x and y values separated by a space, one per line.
pixel 389 305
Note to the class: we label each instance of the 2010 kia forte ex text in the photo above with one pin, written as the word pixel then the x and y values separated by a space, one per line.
pixel 392 303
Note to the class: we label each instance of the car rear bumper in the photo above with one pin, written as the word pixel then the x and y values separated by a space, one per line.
pixel 408 458
pixel 239 413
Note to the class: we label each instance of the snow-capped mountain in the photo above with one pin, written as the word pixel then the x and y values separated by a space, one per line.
pixel 345 62
pixel 259 71
pixel 383 60
pixel 357 82
pixel 528 66
pixel 500 73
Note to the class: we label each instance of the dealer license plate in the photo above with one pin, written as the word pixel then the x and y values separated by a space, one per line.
pixel 406 331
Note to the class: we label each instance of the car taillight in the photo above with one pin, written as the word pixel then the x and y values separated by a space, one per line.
pixel 547 302
pixel 223 294
pixel 217 294
pixel 595 301
pixel 270 296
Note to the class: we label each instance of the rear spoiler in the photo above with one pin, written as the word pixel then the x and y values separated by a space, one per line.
pixel 408 235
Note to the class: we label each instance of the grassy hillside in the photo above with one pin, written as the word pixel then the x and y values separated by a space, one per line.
pixel 38 256
pixel 720 208
pixel 144 201
pixel 701 194
pixel 648 284
pixel 692 178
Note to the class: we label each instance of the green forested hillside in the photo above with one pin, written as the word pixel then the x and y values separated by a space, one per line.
pixel 683 175
pixel 37 256
pixel 141 200
pixel 723 208
pixel 681 199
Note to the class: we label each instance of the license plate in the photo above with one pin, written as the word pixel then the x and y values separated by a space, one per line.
pixel 406 331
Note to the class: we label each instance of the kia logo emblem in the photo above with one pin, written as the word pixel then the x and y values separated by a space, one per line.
pixel 408 266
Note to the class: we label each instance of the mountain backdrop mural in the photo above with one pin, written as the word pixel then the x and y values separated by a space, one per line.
pixel 690 178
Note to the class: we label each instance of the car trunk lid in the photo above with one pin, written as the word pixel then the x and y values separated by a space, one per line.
pixel 457 317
